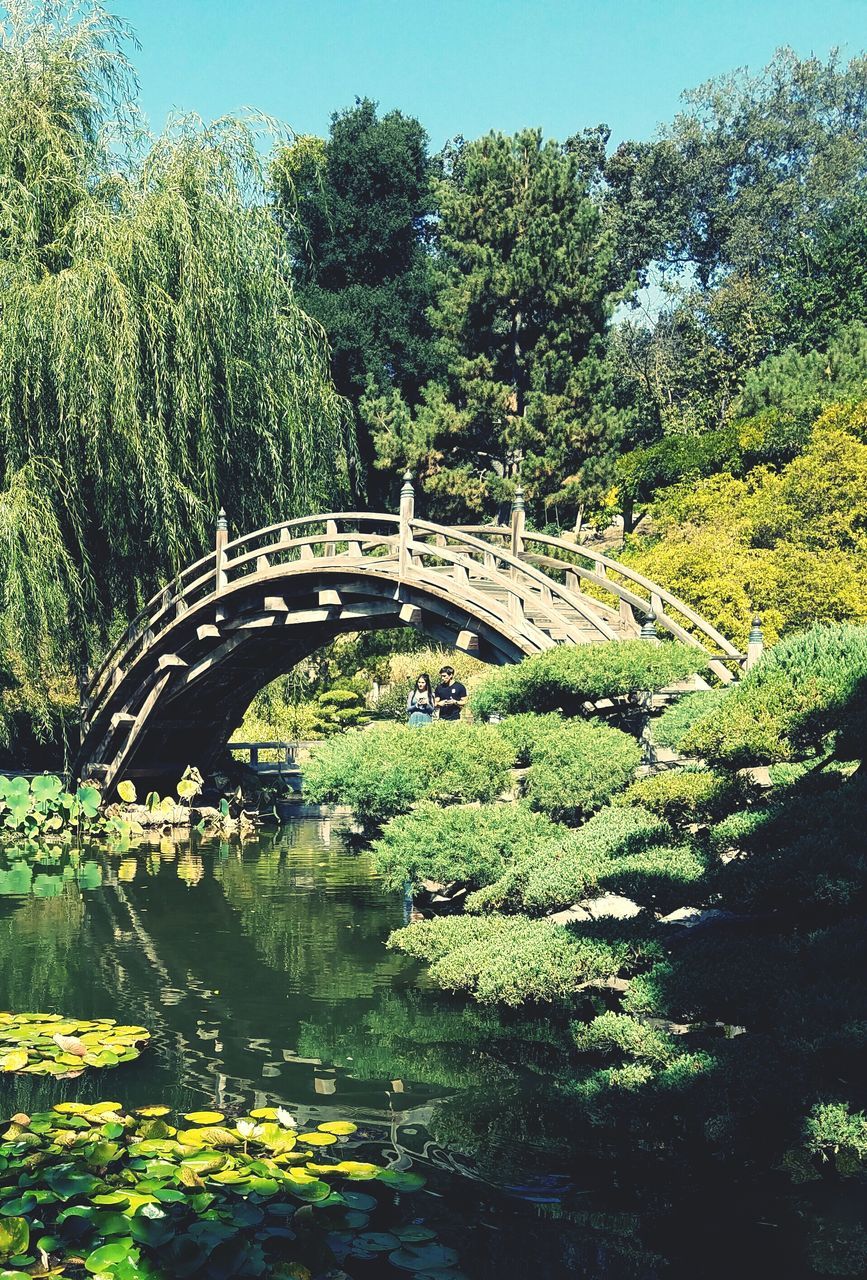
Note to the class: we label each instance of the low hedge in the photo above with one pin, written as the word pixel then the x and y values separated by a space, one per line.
pixel 470 843
pixel 576 766
pixel 544 880
pixel 511 959
pixel 566 677
pixel 383 770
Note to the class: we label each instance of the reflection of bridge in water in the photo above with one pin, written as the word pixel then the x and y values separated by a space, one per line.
pixel 180 678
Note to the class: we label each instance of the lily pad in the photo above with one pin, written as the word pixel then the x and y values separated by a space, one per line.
pixel 401 1179
pixel 85 1181
pixel 360 1200
pixel 107 1255
pixel 414 1233
pixel 342 1128
pixel 205 1117
pixel 14 1237
pixel 48 1044
pixel 423 1257
pixel 317 1139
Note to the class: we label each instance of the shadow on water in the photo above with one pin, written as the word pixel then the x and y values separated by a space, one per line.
pixel 261 973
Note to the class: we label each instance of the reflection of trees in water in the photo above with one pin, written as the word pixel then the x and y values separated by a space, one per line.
pixel 40 946
pixel 499 1066
pixel 320 919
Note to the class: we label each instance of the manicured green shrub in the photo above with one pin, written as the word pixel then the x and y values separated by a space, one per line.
pixel 546 879
pixel 689 795
pixel 565 677
pixel 383 770
pixel 833 1132
pixel 470 843
pixel 528 732
pixel 676 721
pixel 510 959
pixel 809 686
pixel 660 878
pixel 577 767
pixel 807 850
pixel 617 1033
pixel 338 709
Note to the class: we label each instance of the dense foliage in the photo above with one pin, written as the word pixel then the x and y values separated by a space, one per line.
pixel 808 695
pixel 523 299
pixel 767 892
pixel 574 767
pixel 383 770
pixel 787 541
pixel 566 677
pixel 357 211
pixel 513 959
pixel 579 864
pixel 468 843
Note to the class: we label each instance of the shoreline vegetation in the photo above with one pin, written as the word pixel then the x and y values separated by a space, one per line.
pixel 688 921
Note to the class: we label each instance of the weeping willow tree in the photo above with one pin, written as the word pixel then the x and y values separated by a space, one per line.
pixel 154 364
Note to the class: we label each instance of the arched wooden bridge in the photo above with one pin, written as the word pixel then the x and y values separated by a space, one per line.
pixel 177 683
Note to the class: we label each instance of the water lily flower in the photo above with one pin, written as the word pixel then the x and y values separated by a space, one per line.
pixel 246 1128
pixel 286 1118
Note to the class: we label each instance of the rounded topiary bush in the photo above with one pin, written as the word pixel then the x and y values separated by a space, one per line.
pixel 383 770
pixel 546 879
pixel 690 795
pixel 510 959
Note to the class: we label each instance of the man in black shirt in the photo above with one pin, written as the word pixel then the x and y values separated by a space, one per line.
pixel 449 695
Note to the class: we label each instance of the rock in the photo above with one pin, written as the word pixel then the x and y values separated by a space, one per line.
pixel 432 886
pixel 689 917
pixel 612 905
pixel 759 774
pixel 569 915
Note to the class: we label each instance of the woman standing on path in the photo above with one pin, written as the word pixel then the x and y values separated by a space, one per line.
pixel 420 703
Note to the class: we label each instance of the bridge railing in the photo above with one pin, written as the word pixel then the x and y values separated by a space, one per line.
pixel 335 534
pixel 620 589
pixel 529 586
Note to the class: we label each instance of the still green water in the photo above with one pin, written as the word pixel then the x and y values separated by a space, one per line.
pixel 260 970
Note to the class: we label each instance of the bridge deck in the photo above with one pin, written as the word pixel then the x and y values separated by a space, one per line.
pixel 179 680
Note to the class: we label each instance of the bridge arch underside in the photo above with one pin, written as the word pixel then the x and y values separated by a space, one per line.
pixel 179 701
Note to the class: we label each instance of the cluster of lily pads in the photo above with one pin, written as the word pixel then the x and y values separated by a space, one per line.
pixel 86 1189
pixel 43 807
pixel 47 1044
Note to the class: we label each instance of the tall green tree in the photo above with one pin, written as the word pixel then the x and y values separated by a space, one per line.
pixel 522 308
pixel 358 212
pixel 750 212
pixel 156 363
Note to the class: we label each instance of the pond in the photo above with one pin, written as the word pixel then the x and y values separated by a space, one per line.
pixel 261 971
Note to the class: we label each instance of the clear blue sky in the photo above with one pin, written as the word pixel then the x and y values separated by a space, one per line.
pixel 466 66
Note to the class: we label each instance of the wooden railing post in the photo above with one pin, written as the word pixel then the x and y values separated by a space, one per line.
pixel 648 629
pixel 519 517
pixel 407 513
pixel 222 537
pixel 755 644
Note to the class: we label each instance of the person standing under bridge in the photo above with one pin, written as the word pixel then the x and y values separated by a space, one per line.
pixel 420 703
pixel 450 695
